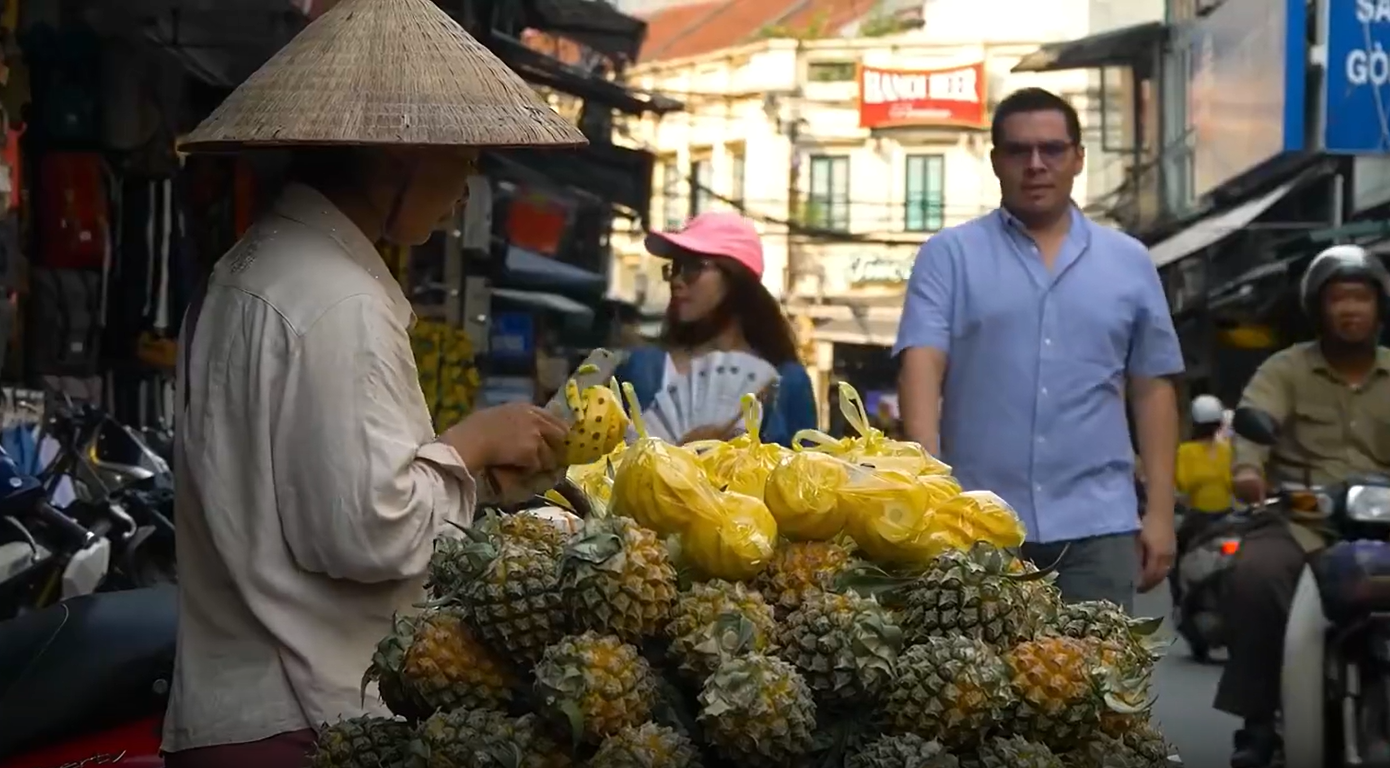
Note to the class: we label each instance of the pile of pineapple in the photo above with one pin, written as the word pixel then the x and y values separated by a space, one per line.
pixel 608 647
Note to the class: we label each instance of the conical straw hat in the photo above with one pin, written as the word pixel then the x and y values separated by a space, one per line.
pixel 377 72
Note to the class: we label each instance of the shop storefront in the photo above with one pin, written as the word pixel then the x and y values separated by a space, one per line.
pixel 107 229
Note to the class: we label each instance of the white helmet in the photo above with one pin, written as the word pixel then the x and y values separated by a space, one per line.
pixel 1207 409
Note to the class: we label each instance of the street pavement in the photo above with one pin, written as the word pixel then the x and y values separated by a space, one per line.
pixel 1185 690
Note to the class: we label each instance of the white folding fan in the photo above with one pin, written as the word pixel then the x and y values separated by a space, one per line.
pixel 711 392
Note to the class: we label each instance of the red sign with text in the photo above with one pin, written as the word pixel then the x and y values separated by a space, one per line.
pixel 915 97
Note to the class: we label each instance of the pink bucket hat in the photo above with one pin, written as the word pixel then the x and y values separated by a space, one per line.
pixel 716 233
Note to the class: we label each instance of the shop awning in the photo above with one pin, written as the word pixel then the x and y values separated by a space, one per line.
pixel 620 175
pixel 874 332
pixel 551 302
pixel 538 68
pixel 597 25
pixel 531 266
pixel 1217 227
pixel 1118 46
pixel 220 42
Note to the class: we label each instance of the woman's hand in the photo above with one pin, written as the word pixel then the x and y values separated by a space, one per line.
pixel 710 432
pixel 518 437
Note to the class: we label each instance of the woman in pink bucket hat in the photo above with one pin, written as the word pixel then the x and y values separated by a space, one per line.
pixel 719 307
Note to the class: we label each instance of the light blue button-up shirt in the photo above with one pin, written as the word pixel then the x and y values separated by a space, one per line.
pixel 1033 400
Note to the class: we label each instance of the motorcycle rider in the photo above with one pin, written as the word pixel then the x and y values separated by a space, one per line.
pixel 1331 397
pixel 1202 476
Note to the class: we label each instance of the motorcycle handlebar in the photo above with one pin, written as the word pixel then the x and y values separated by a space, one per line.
pixel 71 531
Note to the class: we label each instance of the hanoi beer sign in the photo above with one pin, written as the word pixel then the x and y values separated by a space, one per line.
pixel 922 97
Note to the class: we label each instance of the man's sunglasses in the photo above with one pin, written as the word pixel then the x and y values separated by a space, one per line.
pixel 687 269
pixel 1051 152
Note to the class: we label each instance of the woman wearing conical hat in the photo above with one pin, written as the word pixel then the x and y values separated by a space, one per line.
pixel 310 481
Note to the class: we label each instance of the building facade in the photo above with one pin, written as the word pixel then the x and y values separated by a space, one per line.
pixel 850 148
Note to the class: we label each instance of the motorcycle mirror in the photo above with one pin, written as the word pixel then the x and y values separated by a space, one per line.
pixel 1256 426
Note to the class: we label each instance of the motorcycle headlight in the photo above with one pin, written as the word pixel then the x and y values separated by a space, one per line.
pixel 1369 503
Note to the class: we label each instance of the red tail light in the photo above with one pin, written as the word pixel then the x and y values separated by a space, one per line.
pixel 1230 546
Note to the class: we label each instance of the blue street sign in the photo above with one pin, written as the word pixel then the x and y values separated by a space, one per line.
pixel 1357 85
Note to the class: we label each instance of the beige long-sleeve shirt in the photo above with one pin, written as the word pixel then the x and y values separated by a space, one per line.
pixel 310 483
pixel 1331 430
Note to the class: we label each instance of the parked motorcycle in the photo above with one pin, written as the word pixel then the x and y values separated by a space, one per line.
pixel 1204 560
pixel 85 682
pixel 122 480
pixel 45 555
pixel 1336 674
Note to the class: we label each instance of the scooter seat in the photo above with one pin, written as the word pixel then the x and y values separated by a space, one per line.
pixel 85 664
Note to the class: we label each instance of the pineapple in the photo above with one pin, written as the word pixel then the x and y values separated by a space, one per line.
pixel 1127 671
pixel 512 594
pixel 1060 687
pixel 364 742
pixel 618 579
pixel 955 689
pixel 798 567
pixel 646 746
pixel 1105 621
pixel 596 684
pixel 906 750
pixel 469 738
pixel 434 662
pixel 450 568
pixel 1014 752
pixel 694 629
pixel 757 712
pixel 968 593
pixel 845 646
pixel 526 529
pixel 1105 752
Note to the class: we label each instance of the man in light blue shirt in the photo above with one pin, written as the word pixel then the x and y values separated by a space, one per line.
pixel 1021 335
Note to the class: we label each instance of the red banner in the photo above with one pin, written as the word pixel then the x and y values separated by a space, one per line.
pixel 915 97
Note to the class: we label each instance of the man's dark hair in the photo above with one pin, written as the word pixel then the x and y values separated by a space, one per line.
pixel 1034 100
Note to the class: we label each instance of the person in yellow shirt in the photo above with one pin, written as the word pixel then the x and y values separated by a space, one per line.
pixel 1204 463
pixel 1202 476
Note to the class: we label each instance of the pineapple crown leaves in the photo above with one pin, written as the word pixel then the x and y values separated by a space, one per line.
pixel 730 635
pixel 875 638
pixel 870 580
pixel 389 656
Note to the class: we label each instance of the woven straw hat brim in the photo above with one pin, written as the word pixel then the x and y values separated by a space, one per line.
pixel 383 72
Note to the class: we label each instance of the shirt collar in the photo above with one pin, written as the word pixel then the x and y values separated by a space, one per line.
pixel 1078 229
pixel 305 205
pixel 1319 362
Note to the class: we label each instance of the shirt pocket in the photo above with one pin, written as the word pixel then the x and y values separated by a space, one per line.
pixel 1318 429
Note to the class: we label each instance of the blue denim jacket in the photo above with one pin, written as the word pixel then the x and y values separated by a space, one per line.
pixel 793 410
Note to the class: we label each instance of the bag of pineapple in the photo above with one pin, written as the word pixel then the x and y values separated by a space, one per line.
pixel 872 446
pixel 661 486
pixel 742 464
pixel 737 545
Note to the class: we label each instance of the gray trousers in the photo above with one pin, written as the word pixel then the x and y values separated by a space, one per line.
pixel 1098 568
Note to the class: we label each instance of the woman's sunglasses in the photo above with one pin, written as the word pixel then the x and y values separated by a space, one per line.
pixel 686 269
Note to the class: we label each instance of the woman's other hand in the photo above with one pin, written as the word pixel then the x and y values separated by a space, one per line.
pixel 711 432
pixel 519 437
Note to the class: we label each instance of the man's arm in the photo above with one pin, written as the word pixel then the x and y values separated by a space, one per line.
pixel 924 341
pixel 1154 357
pixel 1267 391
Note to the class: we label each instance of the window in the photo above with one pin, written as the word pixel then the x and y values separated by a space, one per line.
pixel 925 208
pixel 831 71
pixel 827 206
pixel 671 194
pixel 701 186
pixel 736 171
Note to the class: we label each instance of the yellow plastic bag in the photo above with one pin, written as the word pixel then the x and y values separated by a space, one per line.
pixel 661 486
pixel 742 465
pixel 594 479
pixel 599 421
pixel 802 493
pixel 871 445
pixel 889 514
pixel 737 545
pixel 977 516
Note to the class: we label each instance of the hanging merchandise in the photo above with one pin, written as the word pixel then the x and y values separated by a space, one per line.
pixel 448 372
pixel 65 322
pixel 72 210
pixel 537 222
